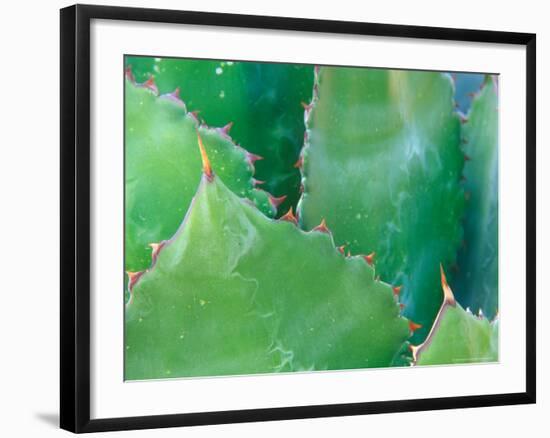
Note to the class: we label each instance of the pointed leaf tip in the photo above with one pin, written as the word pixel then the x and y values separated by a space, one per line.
pixel 224 131
pixel 341 249
pixel 448 295
pixel 150 85
pixel 129 74
pixel 275 202
pixel 133 277
pixel 289 217
pixel 370 258
pixel 397 290
pixel 174 96
pixel 206 166
pixel 413 326
pixel 227 128
pixel 155 249
pixel 298 164
pixel 322 227
pixel 252 158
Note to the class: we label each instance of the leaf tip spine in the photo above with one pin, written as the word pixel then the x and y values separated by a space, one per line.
pixel 206 166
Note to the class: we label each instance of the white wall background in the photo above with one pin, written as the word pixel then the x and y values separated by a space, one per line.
pixel 29 206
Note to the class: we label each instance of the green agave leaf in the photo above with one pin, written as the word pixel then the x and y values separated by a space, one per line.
pixel 234 292
pixel 466 85
pixel 261 99
pixel 382 164
pixel 458 336
pixel 163 169
pixel 476 284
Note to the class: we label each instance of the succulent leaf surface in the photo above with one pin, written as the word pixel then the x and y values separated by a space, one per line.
pixel 382 164
pixel 263 100
pixel 234 292
pixel 458 337
pixel 476 283
pixel 162 169
pixel 466 85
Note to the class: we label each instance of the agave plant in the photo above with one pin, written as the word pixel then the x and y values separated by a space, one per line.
pixel 391 138
pixel 383 199
pixel 266 96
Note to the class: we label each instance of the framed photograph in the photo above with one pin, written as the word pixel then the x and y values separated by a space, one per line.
pixel 271 218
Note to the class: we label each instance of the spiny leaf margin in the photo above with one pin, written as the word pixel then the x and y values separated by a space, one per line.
pixel 425 230
pixel 234 292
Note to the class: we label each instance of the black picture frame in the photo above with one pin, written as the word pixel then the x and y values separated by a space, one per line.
pixel 75 217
